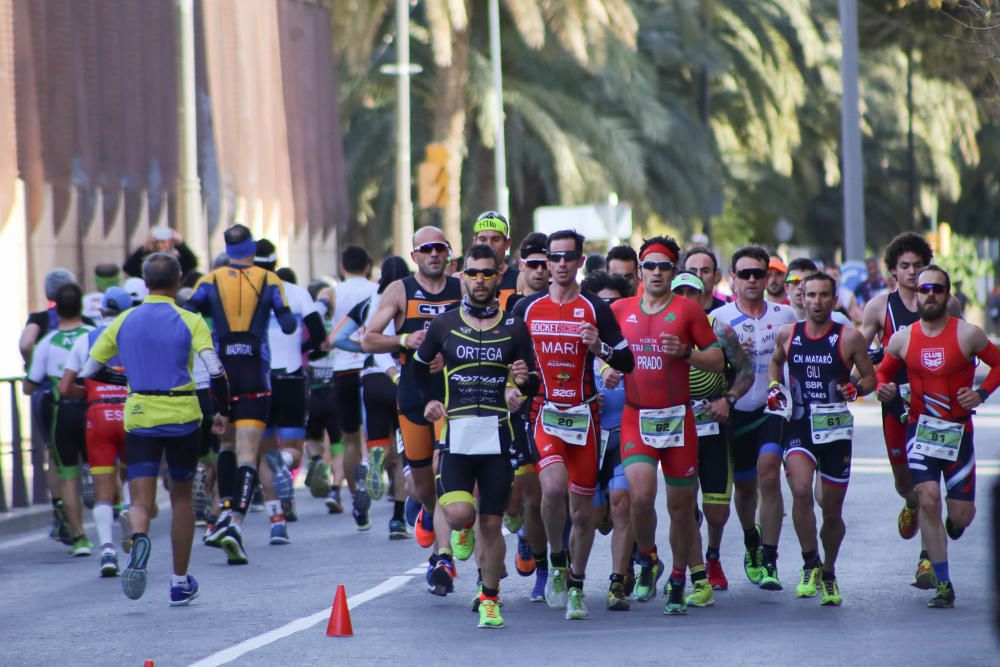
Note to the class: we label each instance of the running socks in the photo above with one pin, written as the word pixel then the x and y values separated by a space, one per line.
pixel 698 574
pixel 541 560
pixel 397 510
pixel 769 553
pixel 246 475
pixel 751 538
pixel 489 593
pixel 941 571
pixel 713 553
pixel 560 559
pixel 574 580
pixel 811 559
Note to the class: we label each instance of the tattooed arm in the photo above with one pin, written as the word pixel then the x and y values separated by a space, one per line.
pixel 737 357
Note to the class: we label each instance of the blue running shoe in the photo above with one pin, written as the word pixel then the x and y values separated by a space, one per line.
pixel 362 501
pixel 282 476
pixel 410 510
pixel 524 561
pixel 134 576
pixel 541 578
pixel 182 595
pixel 279 532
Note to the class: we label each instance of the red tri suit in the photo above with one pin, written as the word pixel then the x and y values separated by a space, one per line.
pixel 657 422
pixel 566 429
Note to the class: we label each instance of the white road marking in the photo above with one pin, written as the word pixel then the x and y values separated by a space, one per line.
pixel 298 625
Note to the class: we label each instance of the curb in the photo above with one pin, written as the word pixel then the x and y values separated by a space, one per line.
pixel 25 519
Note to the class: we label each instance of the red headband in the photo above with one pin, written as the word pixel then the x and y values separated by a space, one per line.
pixel 659 247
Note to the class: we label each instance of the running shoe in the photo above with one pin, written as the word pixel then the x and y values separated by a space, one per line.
pixel 555 588
pixel 513 522
pixel 907 522
pixel 944 597
pixel 489 614
pixel 361 518
pixel 288 509
pixel 441 580
pixel 126 527
pixel 279 530
pixel 769 577
pixel 361 498
pixel 411 510
pixel 398 530
pixel 374 478
pixel 831 596
pixel 87 486
pixel 809 581
pixel 81 547
pixel 424 529
pixel 716 577
pixel 617 600
pixel 319 485
pixel 232 544
pixel 954 532
pixel 753 560
pixel 924 578
pixel 200 496
pixel 310 472
pixel 700 595
pixel 134 576
pixel 538 590
pixel 333 504
pixel 60 525
pixel 282 475
pixel 109 562
pixel 649 575
pixel 183 594
pixel 524 561
pixel 676 605
pixel 629 580
pixel 576 606
pixel 213 537
pixel 463 543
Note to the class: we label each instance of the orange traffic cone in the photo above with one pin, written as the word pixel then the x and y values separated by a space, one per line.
pixel 148 663
pixel 340 616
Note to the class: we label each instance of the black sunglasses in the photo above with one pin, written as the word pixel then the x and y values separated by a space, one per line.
pixel 535 264
pixel 568 255
pixel 475 274
pixel 927 288
pixel 747 274
pixel 433 246
pixel 664 266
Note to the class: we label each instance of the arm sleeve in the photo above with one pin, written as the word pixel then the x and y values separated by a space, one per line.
pixel 279 304
pixel 198 303
pixel 313 324
pixel 188 260
pixel 888 369
pixel 217 377
pixel 991 356
pixel 342 335
pixel 621 358
pixel 526 351
pixel 133 265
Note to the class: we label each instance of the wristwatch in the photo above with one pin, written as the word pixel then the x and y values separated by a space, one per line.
pixel 731 400
pixel 983 394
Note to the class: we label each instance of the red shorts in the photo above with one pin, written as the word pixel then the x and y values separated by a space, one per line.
pixel 580 460
pixel 680 464
pixel 894 431
pixel 105 436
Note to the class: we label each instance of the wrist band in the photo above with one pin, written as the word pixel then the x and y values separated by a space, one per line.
pixel 687 352
pixel 773 384
pixel 402 339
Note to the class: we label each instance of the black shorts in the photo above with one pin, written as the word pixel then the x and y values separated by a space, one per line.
pixel 322 414
pixel 524 452
pixel 612 461
pixel 209 441
pixel 750 433
pixel 715 468
pixel 69 437
pixel 288 404
pixel 381 420
pixel 959 475
pixel 459 474
pixel 42 409
pixel 249 390
pixel 144 454
pixel 347 389
pixel 832 459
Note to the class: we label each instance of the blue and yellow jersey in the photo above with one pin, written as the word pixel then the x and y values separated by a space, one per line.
pixel 156 343
pixel 239 300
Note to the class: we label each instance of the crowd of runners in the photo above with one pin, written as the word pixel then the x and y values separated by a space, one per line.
pixel 527 389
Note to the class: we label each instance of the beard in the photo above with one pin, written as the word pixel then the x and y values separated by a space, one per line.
pixel 488 296
pixel 929 312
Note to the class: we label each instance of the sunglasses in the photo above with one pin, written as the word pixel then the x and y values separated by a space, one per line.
pixel 747 274
pixel 535 264
pixel 794 280
pixel 476 274
pixel 433 246
pixel 664 266
pixel 568 255
pixel 936 288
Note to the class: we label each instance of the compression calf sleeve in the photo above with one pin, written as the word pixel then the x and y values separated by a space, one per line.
pixel 226 474
pixel 246 478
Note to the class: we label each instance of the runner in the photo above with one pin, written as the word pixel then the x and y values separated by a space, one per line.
pixel 156 343
pixel 492 229
pixel 411 304
pixel 488 362
pixel 702 262
pixel 819 353
pixel 755 436
pixel 711 403
pixel 321 410
pixel 622 261
pixel 776 272
pixel 667 335
pixel 799 269
pixel 239 298
pixel 106 276
pixel 569 328
pixel 885 314
pixel 939 354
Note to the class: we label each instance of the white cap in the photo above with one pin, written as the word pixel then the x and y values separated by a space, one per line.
pixel 163 233
pixel 137 288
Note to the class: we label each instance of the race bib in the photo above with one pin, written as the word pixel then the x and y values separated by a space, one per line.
pixel 703 421
pixel 472 436
pixel 904 392
pixel 663 427
pixel 568 424
pixel 400 448
pixel 830 421
pixel 605 436
pixel 938 438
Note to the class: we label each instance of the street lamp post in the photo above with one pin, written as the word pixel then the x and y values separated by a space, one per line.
pixel 500 150
pixel 402 230
pixel 850 132
pixel 190 220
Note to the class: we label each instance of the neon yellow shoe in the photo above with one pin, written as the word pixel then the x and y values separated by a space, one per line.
pixel 463 542
pixel 701 594
pixel 489 614
pixel 513 522
pixel 831 594
pixel 808 582
pixel 924 578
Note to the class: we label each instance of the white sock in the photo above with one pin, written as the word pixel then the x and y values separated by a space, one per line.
pixel 274 507
pixel 178 579
pixel 126 496
pixel 104 518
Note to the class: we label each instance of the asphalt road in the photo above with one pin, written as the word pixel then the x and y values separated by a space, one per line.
pixel 274 611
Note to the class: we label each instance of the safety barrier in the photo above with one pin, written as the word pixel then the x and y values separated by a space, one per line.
pixel 15 454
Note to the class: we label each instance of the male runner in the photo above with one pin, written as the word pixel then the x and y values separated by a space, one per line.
pixel 411 304
pixel 755 435
pixel 106 276
pixel 482 348
pixel 240 298
pixel 799 269
pixel 622 261
pixel 702 262
pixel 156 343
pixel 321 410
pixel 569 328
pixel 775 289
pixel 667 335
pixel 939 355
pixel 819 353
pixel 492 229
pixel 886 313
